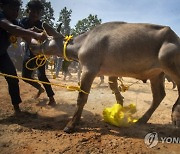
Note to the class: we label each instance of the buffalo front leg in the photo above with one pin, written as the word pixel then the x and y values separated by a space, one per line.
pixel 158 93
pixel 114 87
pixel 86 82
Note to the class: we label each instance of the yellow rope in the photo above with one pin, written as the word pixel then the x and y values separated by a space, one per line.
pixel 124 88
pixel 14 41
pixel 72 88
pixel 40 61
pixel 67 39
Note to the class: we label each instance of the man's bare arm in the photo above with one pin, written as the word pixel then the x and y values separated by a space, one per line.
pixel 19 31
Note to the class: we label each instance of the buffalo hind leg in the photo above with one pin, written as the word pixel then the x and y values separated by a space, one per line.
pixel 170 59
pixel 158 93
pixel 86 82
pixel 114 87
pixel 175 116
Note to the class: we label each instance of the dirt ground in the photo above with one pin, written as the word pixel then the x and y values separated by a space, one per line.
pixel 40 129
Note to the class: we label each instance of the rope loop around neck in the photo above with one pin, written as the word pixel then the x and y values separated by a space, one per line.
pixel 67 39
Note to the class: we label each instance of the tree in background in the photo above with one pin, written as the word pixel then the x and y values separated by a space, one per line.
pixel 65 19
pixel 83 26
pixel 86 24
pixel 48 14
pixel 21 11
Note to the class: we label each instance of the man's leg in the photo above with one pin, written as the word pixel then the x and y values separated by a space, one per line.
pixel 7 67
pixel 42 77
pixel 27 73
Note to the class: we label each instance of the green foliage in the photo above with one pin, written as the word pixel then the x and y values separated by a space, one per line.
pixel 86 24
pixel 65 19
pixel 21 11
pixel 48 14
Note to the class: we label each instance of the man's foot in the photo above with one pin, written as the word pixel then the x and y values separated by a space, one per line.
pixel 70 76
pixel 174 85
pixel 41 90
pixel 64 78
pixel 52 101
pixel 17 110
pixel 102 81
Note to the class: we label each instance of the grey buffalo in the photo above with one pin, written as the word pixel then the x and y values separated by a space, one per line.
pixel 117 49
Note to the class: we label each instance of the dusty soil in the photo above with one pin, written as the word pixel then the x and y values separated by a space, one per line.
pixel 40 129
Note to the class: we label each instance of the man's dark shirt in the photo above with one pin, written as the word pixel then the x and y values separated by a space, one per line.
pixel 5 36
pixel 25 24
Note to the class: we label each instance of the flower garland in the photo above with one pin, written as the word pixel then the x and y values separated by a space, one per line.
pixel 13 39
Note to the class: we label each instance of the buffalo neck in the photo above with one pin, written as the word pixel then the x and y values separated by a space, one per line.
pixel 75 45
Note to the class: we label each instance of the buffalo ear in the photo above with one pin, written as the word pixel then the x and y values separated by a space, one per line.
pixel 59 28
pixel 50 30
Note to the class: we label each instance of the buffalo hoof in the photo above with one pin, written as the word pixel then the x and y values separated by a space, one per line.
pixel 176 116
pixel 141 121
pixel 176 123
pixel 120 100
pixel 68 129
